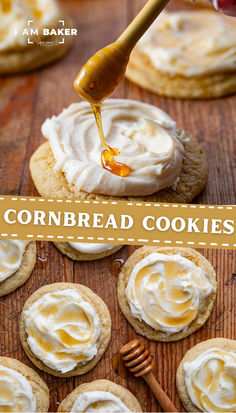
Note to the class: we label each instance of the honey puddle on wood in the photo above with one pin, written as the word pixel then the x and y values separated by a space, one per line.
pixel 41 263
pixel 116 265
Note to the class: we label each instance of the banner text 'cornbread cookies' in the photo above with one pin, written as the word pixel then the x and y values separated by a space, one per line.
pixel 117 222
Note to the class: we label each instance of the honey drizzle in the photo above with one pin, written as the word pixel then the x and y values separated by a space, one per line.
pixel 107 155
pixel 6 5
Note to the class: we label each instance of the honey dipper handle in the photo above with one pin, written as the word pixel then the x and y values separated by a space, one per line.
pixel 140 24
pixel 160 395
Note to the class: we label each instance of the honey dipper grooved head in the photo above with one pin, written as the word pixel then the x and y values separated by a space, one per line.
pixel 137 358
pixel 102 73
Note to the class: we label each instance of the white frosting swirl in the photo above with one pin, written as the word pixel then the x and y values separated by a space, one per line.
pixel 166 291
pixel 211 380
pixel 147 138
pixel 99 401
pixel 91 248
pixel 11 254
pixel 14 16
pixel 191 43
pixel 62 329
pixel 16 393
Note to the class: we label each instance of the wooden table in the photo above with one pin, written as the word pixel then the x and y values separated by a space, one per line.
pixel 25 102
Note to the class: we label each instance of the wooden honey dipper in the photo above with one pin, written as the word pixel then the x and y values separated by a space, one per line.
pixel 102 73
pixel 139 361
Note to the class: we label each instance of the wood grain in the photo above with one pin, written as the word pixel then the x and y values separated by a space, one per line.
pixel 25 102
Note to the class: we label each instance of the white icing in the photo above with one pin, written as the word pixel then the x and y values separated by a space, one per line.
pixel 16 393
pixel 191 43
pixel 147 138
pixel 166 291
pixel 62 329
pixel 91 248
pixel 11 255
pixel 99 401
pixel 211 380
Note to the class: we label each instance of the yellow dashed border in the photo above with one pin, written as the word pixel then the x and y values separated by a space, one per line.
pixel 85 201
pixel 61 238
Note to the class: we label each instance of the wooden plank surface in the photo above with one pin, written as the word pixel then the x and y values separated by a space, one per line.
pixel 25 102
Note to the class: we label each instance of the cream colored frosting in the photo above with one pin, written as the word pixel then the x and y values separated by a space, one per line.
pixel 211 380
pixel 11 254
pixel 98 401
pixel 62 329
pixel 16 393
pixel 147 138
pixel 91 248
pixel 166 291
pixel 191 43
pixel 14 16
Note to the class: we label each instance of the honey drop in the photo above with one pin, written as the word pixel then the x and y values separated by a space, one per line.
pixel 116 265
pixel 116 168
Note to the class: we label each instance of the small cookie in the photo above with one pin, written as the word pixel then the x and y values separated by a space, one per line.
pixel 97 389
pixel 30 393
pixel 17 261
pixel 26 51
pixel 86 251
pixel 73 330
pixel 186 55
pixel 206 377
pixel 166 293
pixel 165 163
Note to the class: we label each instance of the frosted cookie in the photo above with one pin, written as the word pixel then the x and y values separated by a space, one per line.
pixel 23 52
pixel 80 251
pixel 17 261
pixel 206 377
pixel 65 329
pixel 100 396
pixel 21 389
pixel 166 293
pixel 166 164
pixel 187 54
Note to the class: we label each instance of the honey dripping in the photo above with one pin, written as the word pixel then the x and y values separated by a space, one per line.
pixel 116 265
pixel 107 155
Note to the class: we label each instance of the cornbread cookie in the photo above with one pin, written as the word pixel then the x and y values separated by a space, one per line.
pixel 219 387
pixel 39 387
pixel 155 305
pixel 91 309
pixel 187 54
pixel 25 52
pixel 73 253
pixel 21 275
pixel 166 165
pixel 105 386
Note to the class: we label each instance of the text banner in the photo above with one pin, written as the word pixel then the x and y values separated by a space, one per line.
pixel 118 222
